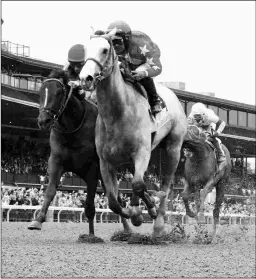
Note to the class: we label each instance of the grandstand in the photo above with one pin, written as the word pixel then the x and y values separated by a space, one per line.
pixel 20 111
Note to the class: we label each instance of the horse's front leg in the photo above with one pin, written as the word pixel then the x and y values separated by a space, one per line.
pixel 173 156
pixel 108 173
pixel 141 161
pixel 204 192
pixel 216 212
pixel 91 179
pixel 55 171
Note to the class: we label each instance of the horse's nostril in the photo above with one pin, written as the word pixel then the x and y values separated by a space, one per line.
pixel 89 78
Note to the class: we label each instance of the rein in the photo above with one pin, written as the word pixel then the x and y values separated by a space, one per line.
pixel 105 70
pixel 57 115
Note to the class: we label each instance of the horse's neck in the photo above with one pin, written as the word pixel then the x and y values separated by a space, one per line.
pixel 200 152
pixel 72 114
pixel 111 96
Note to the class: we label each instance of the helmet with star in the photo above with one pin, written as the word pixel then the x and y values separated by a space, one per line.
pixel 123 29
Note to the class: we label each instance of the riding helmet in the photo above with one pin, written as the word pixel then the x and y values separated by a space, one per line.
pixel 123 30
pixel 76 53
pixel 198 108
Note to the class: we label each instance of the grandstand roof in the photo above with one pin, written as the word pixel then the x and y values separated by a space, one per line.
pixel 195 97
pixel 30 61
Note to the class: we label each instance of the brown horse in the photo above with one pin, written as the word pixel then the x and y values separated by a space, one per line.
pixel 126 131
pixel 201 172
pixel 72 141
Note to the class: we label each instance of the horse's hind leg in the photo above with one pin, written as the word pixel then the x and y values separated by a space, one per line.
pixel 173 146
pixel 216 211
pixel 55 172
pixel 108 173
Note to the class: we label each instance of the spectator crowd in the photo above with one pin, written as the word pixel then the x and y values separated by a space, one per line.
pixel 35 197
pixel 23 156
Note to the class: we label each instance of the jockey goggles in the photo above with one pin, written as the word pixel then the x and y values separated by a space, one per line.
pixel 117 41
pixel 77 64
pixel 198 117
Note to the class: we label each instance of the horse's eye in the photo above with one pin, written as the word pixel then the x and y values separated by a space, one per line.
pixel 105 51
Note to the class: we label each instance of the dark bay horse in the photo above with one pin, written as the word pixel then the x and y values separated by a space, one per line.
pixel 72 141
pixel 201 174
pixel 126 131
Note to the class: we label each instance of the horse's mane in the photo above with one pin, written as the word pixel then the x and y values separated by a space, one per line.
pixel 194 145
pixel 59 74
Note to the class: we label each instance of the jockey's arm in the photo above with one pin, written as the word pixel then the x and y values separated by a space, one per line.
pixel 220 125
pixel 191 120
pixel 72 75
pixel 153 61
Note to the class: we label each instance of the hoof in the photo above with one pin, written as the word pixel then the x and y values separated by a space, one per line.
pixel 201 218
pixel 137 220
pixel 158 231
pixel 152 212
pixel 135 211
pixel 126 213
pixel 35 225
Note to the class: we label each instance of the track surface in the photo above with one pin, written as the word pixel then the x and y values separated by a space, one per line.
pixel 54 252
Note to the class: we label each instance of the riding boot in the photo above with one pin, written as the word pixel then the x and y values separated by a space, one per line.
pixel 154 99
pixel 220 153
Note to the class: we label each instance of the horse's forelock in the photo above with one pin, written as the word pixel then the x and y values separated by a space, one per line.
pixel 59 74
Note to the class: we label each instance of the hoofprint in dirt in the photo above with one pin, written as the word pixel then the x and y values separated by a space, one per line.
pixel 54 252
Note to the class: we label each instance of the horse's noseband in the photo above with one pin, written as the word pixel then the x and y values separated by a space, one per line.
pixel 106 69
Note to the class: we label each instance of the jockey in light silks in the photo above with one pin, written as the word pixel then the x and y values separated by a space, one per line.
pixel 205 119
pixel 141 55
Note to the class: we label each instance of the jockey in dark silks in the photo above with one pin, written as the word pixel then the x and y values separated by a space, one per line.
pixel 139 57
pixel 205 119
pixel 76 60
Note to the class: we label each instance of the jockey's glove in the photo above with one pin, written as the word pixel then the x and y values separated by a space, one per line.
pixel 215 133
pixel 74 83
pixel 139 75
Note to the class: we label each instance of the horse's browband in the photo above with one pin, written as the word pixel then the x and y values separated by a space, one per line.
pixel 54 79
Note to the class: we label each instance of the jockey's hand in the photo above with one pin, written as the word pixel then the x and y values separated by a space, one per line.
pixel 215 134
pixel 74 83
pixel 138 75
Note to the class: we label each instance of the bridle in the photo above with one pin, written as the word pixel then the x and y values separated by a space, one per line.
pixel 108 67
pixel 57 114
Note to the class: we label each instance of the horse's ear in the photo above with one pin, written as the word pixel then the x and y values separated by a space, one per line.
pixel 110 35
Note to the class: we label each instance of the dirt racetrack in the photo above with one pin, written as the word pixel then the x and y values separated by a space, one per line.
pixel 54 252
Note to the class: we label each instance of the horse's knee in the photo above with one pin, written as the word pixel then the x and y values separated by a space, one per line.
pixel 139 188
pixel 51 190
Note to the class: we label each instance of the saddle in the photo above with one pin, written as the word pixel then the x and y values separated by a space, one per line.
pixel 129 78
